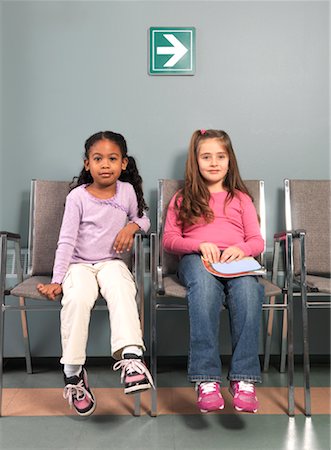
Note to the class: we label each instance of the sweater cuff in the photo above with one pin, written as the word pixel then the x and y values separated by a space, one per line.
pixel 57 279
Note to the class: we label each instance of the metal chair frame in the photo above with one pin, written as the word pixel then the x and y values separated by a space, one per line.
pixel 137 258
pixel 297 285
pixel 160 300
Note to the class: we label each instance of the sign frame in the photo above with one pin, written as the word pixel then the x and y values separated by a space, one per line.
pixel 167 53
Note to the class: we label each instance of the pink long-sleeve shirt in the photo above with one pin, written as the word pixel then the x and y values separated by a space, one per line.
pixel 237 225
pixel 90 226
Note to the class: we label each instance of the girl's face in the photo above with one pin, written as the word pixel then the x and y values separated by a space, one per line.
pixel 213 162
pixel 105 163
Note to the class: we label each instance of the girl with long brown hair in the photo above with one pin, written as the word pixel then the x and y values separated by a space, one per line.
pixel 213 216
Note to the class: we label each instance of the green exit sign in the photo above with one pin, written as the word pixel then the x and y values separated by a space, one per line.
pixel 172 51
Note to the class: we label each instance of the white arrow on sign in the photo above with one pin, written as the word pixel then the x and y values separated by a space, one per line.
pixel 178 50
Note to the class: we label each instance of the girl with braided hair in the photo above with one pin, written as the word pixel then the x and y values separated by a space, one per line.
pixel 103 211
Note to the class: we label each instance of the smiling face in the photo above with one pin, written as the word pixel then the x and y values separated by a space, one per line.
pixel 213 162
pixel 105 163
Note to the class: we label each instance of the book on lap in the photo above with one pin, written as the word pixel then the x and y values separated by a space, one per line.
pixel 243 267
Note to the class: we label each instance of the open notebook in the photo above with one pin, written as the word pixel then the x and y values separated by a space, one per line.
pixel 246 266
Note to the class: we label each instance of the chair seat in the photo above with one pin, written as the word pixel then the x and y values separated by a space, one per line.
pixel 270 289
pixel 29 289
pixel 322 284
pixel 173 288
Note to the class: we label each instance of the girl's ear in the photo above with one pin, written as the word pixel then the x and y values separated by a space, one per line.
pixel 124 163
pixel 86 165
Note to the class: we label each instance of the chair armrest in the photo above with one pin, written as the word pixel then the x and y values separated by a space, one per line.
pixel 138 273
pixel 6 236
pixel 155 264
pixel 298 233
pixel 10 236
pixel 281 236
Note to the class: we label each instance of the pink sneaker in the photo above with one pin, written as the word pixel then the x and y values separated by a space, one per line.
pixel 244 396
pixel 135 375
pixel 79 394
pixel 209 397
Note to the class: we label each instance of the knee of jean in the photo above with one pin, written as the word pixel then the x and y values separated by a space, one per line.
pixel 247 284
pixel 207 286
pixel 247 295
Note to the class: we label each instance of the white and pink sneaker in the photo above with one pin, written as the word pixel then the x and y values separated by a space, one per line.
pixel 244 396
pixel 79 394
pixel 209 396
pixel 134 375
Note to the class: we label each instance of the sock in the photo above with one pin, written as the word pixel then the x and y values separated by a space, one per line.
pixel 71 370
pixel 133 350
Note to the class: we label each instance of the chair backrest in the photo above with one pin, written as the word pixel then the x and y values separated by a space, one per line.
pixel 168 188
pixel 307 206
pixel 47 200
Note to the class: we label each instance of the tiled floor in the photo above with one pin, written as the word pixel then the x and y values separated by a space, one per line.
pixel 36 416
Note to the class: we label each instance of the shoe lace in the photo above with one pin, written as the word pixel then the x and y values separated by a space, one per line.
pixel 129 366
pixel 246 387
pixel 208 387
pixel 76 391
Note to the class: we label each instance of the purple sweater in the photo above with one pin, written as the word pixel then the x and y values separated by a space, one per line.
pixel 90 226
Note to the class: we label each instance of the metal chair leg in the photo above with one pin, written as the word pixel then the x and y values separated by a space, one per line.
pixel 284 339
pixel 306 362
pixel 3 253
pixel 2 314
pixel 25 332
pixel 269 335
pixel 137 404
pixel 290 346
pixel 306 359
pixel 153 346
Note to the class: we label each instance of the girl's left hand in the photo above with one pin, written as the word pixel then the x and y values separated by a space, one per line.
pixel 124 239
pixel 232 254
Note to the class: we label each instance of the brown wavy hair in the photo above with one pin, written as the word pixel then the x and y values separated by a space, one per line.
pixel 192 201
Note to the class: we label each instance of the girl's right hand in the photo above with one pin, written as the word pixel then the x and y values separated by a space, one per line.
pixel 50 290
pixel 210 252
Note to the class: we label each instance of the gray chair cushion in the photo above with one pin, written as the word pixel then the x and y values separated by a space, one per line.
pixel 321 284
pixel 28 288
pixel 270 289
pixel 173 288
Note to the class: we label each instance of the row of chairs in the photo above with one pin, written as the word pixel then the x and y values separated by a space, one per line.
pixel 306 251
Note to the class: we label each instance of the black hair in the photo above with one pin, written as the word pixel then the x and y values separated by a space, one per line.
pixel 130 174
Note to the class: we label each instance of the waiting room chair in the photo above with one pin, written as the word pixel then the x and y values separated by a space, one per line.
pixel 47 200
pixel 308 246
pixel 166 290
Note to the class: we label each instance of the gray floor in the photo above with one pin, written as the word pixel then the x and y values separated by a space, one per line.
pixel 164 432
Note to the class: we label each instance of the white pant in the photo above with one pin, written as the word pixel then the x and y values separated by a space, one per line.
pixel 80 291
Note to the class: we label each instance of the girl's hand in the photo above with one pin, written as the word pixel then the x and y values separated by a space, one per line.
pixel 232 254
pixel 124 239
pixel 50 290
pixel 210 251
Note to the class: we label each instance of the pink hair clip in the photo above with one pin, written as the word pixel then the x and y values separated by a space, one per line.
pixel 203 131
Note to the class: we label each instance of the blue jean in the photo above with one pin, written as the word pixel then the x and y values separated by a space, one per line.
pixel 207 295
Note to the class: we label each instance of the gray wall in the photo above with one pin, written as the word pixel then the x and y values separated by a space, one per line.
pixel 70 69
